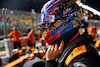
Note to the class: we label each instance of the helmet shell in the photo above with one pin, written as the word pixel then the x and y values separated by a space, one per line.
pixel 67 20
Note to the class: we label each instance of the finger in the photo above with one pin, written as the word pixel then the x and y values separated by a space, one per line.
pixel 49 48
pixel 61 45
pixel 56 47
pixel 52 47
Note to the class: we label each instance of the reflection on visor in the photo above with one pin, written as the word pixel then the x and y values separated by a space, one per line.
pixel 45 20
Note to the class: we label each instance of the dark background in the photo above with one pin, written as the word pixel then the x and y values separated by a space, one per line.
pixel 27 5
pixel 94 4
pixel 24 5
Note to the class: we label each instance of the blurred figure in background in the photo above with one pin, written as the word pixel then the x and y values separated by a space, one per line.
pixel 97 45
pixel 39 35
pixel 90 29
pixel 31 38
pixel 94 33
pixel 16 37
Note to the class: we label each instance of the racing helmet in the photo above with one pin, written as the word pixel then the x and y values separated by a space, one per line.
pixel 60 19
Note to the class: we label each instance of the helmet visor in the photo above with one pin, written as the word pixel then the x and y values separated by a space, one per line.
pixel 45 20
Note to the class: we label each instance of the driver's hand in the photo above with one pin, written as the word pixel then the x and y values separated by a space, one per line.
pixel 53 51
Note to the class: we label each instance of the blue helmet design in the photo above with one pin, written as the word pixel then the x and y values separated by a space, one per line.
pixel 60 18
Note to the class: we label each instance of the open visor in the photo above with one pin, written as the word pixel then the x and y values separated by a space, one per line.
pixel 45 20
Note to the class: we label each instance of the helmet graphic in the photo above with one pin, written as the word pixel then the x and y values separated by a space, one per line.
pixel 61 19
